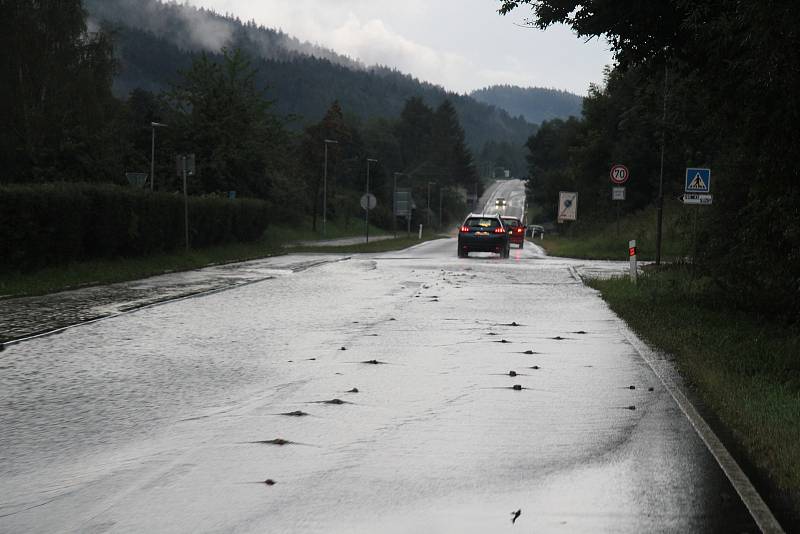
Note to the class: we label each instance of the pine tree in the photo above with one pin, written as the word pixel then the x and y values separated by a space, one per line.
pixel 55 92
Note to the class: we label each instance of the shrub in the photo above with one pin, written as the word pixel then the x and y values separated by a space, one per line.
pixel 56 223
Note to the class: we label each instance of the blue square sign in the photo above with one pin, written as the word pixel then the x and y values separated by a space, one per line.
pixel 698 180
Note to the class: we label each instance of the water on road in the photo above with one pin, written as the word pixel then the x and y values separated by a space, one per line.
pixel 163 420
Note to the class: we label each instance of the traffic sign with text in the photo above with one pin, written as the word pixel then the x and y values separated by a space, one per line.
pixel 619 174
pixel 702 199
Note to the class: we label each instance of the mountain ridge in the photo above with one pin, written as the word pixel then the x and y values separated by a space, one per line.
pixel 154 40
pixel 536 104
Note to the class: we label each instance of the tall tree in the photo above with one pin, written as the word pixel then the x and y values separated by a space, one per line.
pixel 332 127
pixel 55 92
pixel 732 105
pixel 221 115
pixel 414 132
pixel 449 152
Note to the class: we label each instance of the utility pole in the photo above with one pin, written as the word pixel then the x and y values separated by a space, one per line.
pixel 153 126
pixel 661 175
pixel 325 188
pixel 394 203
pixel 366 218
pixel 186 167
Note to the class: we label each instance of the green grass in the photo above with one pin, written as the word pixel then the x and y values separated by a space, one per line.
pixel 335 229
pixel 609 241
pixel 108 271
pixel 98 272
pixel 744 369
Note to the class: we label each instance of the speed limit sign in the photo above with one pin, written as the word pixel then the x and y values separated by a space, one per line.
pixel 619 174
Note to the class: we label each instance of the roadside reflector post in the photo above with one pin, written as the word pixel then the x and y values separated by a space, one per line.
pixel 420 231
pixel 632 255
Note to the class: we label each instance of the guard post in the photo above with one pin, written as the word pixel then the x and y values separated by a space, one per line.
pixel 632 255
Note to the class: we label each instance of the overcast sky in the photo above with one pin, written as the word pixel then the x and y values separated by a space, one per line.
pixel 459 44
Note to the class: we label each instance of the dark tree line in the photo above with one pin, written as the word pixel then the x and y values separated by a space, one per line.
pixel 732 69
pixel 64 124
pixel 55 93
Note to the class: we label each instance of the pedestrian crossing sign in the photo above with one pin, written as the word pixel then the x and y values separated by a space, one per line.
pixel 698 180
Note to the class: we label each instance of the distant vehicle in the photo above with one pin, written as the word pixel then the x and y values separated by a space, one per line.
pixel 535 229
pixel 500 203
pixel 516 231
pixel 483 233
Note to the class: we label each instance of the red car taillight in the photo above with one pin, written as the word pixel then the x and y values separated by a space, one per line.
pixel 465 229
pixel 519 230
pixel 499 230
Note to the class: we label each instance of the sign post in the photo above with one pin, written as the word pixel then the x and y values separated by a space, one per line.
pixel 186 167
pixel 632 256
pixel 619 175
pixel 697 192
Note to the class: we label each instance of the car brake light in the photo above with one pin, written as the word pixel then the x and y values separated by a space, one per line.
pixel 499 230
pixel 519 230
pixel 464 229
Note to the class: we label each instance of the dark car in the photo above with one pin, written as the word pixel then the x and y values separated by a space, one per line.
pixel 516 231
pixel 483 233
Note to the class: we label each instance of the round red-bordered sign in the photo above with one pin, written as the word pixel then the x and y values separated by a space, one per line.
pixel 620 174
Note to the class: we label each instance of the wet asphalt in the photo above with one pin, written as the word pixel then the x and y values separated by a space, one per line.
pixel 409 391
pixel 172 418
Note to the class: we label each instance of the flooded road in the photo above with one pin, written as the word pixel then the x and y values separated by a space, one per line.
pixel 401 392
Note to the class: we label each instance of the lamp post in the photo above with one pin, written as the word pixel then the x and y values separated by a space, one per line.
pixel 660 206
pixel 429 201
pixel 366 217
pixel 394 201
pixel 325 187
pixel 153 126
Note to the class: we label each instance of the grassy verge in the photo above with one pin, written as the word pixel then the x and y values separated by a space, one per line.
pixel 100 272
pixel 744 370
pixel 609 241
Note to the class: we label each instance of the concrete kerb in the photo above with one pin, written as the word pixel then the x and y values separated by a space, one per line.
pixel 758 509
pixel 750 497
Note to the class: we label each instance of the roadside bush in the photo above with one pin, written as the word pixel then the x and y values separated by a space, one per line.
pixel 56 223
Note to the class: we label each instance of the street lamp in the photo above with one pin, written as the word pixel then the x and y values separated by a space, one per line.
pixel 153 126
pixel 366 217
pixel 394 201
pixel 325 187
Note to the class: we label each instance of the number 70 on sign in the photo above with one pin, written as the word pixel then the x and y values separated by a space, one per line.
pixel 619 174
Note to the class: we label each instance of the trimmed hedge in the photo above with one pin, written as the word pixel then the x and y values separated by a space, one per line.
pixel 56 223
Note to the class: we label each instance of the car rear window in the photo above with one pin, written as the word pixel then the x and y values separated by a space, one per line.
pixel 482 223
pixel 511 222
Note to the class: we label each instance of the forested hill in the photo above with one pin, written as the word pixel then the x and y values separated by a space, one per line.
pixel 536 104
pixel 154 40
